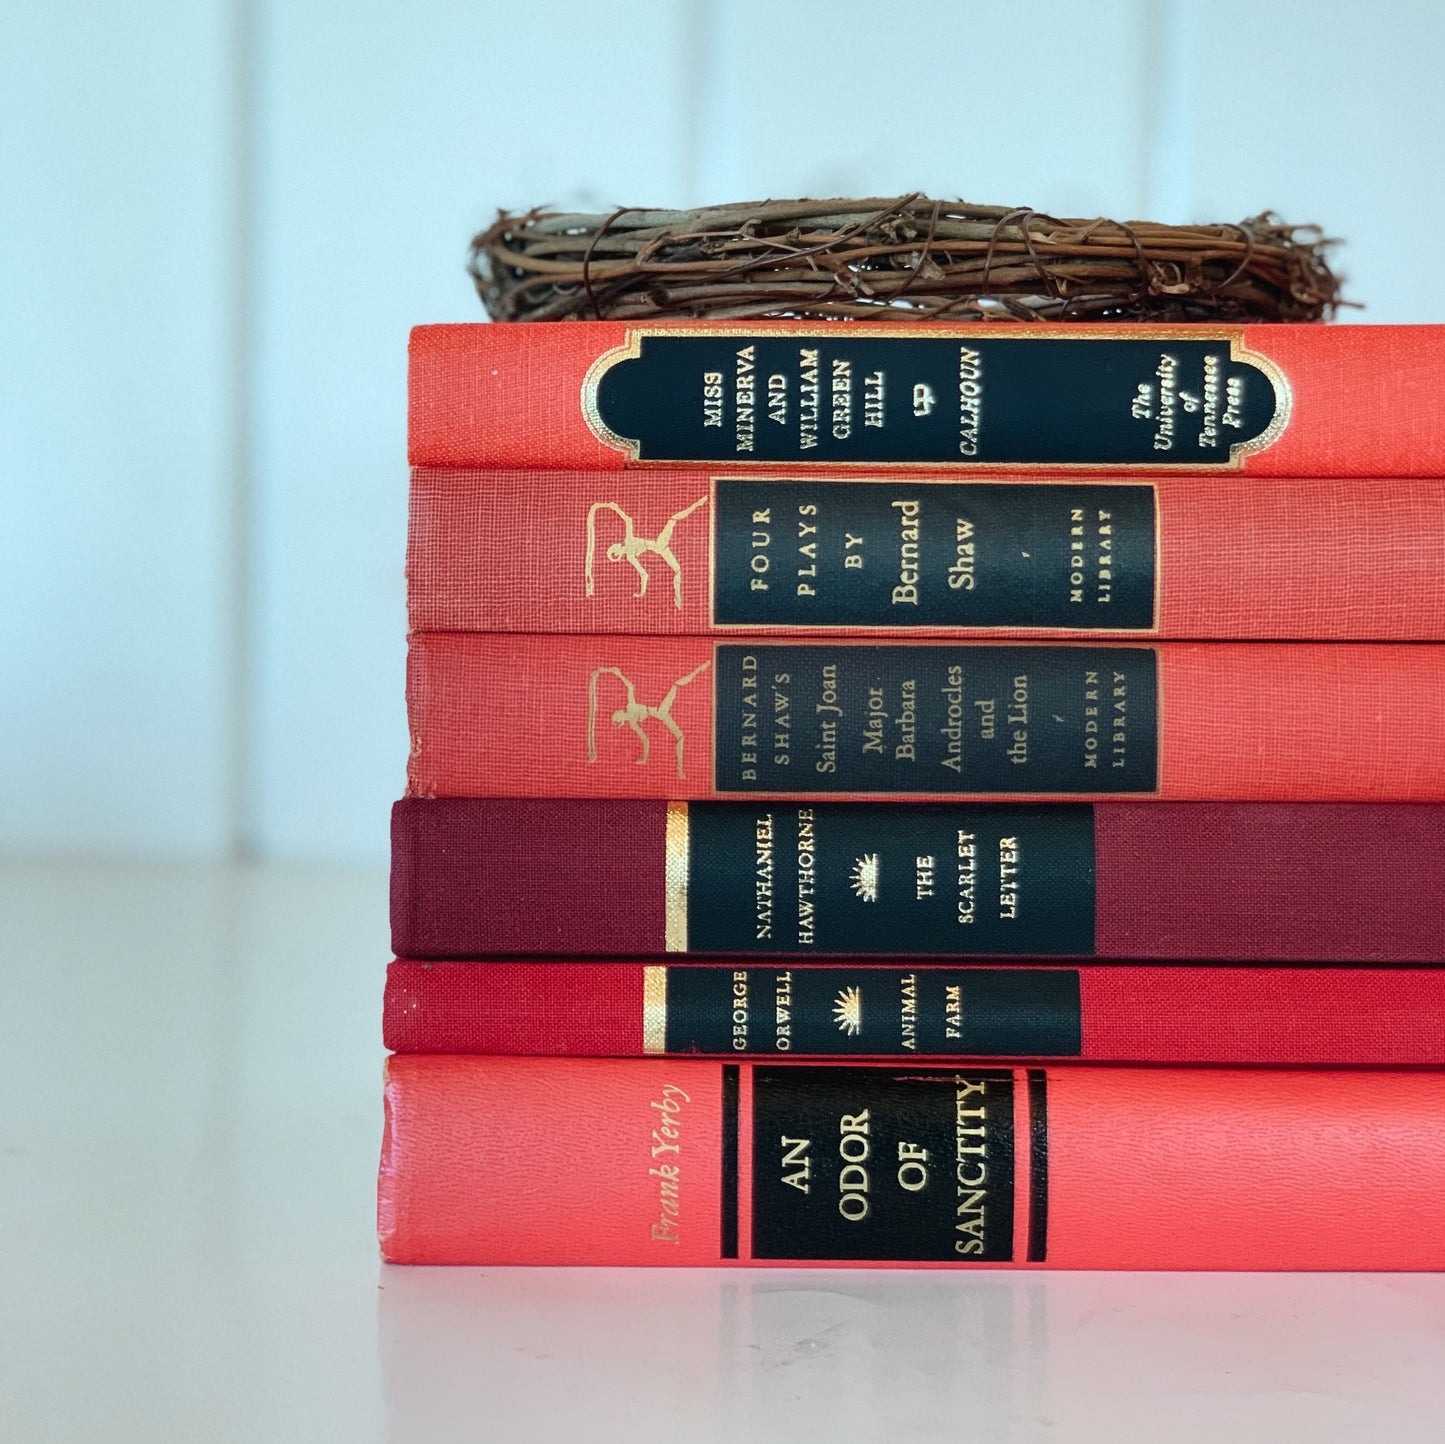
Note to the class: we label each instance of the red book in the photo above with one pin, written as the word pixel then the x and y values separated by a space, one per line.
pixel 1230 881
pixel 687 717
pixel 1269 400
pixel 667 551
pixel 1100 1012
pixel 693 1162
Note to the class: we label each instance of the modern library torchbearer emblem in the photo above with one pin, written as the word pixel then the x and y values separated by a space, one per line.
pixel 635 714
pixel 633 548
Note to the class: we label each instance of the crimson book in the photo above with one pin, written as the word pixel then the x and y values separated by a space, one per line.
pixel 665 551
pixel 595 878
pixel 1097 1012
pixel 701 1162
pixel 1266 400
pixel 692 717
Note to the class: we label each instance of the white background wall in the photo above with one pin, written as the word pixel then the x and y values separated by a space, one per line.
pixel 221 216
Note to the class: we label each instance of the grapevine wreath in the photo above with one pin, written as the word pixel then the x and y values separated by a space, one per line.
pixel 908 259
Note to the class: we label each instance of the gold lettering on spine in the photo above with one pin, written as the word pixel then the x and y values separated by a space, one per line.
pixel 675 871
pixel 654 1010
pixel 666 1154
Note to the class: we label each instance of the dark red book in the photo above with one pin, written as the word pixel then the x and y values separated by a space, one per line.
pixel 505 714
pixel 687 1161
pixel 1097 1012
pixel 1320 882
pixel 1268 400
pixel 665 551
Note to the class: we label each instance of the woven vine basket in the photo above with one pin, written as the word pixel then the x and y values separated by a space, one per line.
pixel 910 258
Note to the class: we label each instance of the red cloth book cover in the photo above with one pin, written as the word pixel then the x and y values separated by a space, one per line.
pixel 1097 1012
pixel 1350 883
pixel 666 551
pixel 701 1162
pixel 689 717
pixel 1267 400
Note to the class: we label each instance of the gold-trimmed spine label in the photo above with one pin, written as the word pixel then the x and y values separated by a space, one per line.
pixel 676 877
pixel 838 1009
pixel 878 879
pixel 1075 556
pixel 918 395
pixel 813 718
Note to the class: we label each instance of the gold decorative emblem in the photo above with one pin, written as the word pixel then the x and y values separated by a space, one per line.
pixel 636 713
pixel 632 548
pixel 865 877
pixel 848 1011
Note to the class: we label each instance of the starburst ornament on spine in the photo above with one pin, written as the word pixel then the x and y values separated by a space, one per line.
pixel 865 877
pixel 848 1011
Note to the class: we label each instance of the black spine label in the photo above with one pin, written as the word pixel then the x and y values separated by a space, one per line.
pixel 731 1089
pixel 934 554
pixel 872 1163
pixel 876 1012
pixel 1038 1248
pixel 920 718
pixel 838 397
pixel 988 880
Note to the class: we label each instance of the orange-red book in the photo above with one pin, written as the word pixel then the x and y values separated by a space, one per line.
pixel 668 551
pixel 689 717
pixel 684 1162
pixel 1269 400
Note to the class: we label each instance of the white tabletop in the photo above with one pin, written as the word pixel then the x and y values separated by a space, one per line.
pixel 191 1075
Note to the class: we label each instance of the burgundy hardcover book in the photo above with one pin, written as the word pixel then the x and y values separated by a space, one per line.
pixel 758 1008
pixel 1247 882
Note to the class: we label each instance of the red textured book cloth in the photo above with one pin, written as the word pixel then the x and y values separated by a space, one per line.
pixel 1269 400
pixel 1099 1013
pixel 694 1162
pixel 687 717
pixel 666 551
pixel 1231 882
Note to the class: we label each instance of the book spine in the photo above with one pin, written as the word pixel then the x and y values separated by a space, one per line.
pixel 688 717
pixel 1100 1013
pixel 1238 882
pixel 689 1162
pixel 1268 400
pixel 669 552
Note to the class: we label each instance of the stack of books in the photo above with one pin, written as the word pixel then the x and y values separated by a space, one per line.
pixel 898 793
